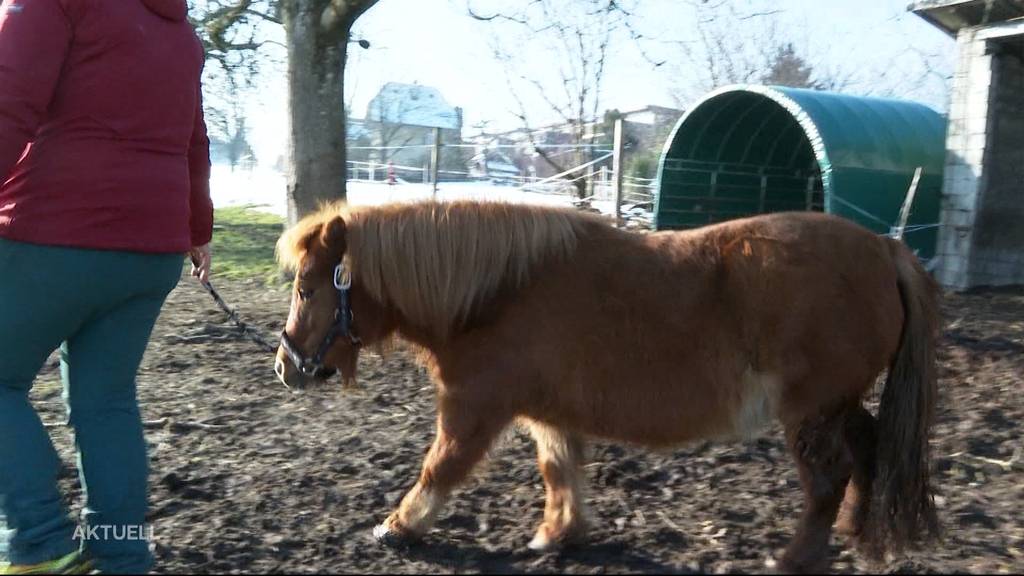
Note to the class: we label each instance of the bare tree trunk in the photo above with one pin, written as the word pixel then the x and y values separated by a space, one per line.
pixel 317 33
pixel 316 101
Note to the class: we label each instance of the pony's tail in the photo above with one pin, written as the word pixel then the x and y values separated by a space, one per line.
pixel 902 507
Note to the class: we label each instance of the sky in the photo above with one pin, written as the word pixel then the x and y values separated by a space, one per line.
pixel 880 47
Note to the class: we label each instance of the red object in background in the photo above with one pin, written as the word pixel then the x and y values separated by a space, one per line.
pixel 391 173
pixel 102 138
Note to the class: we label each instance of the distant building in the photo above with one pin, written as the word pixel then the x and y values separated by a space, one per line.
pixel 557 141
pixel 413 105
pixel 401 120
pixel 356 129
pixel 981 240
pixel 495 166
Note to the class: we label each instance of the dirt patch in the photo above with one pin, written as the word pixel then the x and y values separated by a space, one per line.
pixel 247 476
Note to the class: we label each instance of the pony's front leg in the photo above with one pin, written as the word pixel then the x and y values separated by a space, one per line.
pixel 466 427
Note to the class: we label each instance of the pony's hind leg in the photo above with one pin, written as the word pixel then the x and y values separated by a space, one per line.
pixel 465 430
pixel 559 457
pixel 861 438
pixel 824 461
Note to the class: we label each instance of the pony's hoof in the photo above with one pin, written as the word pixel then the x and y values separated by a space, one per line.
pixel 795 564
pixel 544 541
pixel 386 534
pixel 847 527
pixel 850 520
pixel 541 543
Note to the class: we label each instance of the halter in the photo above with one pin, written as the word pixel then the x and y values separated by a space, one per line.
pixel 342 326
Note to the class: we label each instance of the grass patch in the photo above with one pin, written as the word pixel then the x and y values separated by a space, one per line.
pixel 243 245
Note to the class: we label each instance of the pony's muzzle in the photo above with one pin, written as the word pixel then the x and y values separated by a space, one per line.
pixel 294 377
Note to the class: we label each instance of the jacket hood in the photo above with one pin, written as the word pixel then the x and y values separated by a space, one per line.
pixel 169 9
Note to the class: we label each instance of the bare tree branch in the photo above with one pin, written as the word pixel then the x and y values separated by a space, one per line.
pixel 579 36
pixel 339 15
pixel 731 46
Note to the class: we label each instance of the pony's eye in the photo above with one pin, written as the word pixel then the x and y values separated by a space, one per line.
pixel 305 294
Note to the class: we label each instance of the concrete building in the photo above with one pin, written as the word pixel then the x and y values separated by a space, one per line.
pixel 981 242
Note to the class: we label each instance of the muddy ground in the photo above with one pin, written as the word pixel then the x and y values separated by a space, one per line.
pixel 248 476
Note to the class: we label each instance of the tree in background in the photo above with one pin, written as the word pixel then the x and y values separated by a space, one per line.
pixel 225 116
pixel 577 35
pixel 229 139
pixel 740 43
pixel 317 34
pixel 786 68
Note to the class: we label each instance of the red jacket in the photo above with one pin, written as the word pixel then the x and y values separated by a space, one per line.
pixel 102 138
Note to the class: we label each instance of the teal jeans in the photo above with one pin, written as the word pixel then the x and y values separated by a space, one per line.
pixel 99 307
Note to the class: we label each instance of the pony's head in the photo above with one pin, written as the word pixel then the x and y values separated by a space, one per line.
pixel 429 268
pixel 331 316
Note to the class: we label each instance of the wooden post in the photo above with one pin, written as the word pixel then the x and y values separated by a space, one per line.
pixel 436 159
pixel 617 170
pixel 809 204
pixel 905 210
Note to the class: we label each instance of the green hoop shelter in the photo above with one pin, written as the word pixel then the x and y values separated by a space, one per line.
pixel 744 150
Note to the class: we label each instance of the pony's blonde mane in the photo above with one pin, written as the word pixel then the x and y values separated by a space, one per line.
pixel 291 247
pixel 439 263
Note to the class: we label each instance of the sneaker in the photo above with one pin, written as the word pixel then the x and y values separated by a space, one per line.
pixel 73 563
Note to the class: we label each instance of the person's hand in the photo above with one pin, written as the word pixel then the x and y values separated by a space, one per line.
pixel 201 262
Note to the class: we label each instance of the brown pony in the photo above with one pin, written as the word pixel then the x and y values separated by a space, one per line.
pixel 577 329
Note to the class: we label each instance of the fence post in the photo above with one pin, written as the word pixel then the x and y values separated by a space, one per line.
pixel 617 169
pixel 907 202
pixel 436 158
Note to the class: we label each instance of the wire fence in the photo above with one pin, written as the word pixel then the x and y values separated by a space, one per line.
pixel 588 185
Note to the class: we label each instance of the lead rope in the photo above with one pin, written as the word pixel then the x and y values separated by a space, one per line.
pixel 245 328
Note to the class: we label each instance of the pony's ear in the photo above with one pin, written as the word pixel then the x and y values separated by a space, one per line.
pixel 332 236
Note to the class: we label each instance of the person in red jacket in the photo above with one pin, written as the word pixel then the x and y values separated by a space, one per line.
pixel 104 186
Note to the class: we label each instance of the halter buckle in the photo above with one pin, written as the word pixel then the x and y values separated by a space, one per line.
pixel 342 278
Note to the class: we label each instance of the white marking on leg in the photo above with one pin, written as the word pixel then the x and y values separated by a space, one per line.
pixel 564 512
pixel 420 508
pixel 539 543
pixel 758 404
